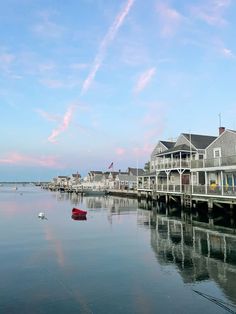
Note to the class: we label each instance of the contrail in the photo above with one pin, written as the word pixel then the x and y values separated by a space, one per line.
pixel 63 126
pixel 104 44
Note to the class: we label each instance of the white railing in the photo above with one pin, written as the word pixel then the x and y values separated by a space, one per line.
pixel 191 190
pixel 214 162
pixel 173 163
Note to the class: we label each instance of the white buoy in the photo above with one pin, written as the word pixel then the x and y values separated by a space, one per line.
pixel 41 215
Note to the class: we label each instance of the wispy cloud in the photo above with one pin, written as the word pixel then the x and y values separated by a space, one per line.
pixel 104 44
pixel 58 83
pixel 6 62
pixel 52 83
pixel 144 79
pixel 78 66
pixel 228 53
pixel 170 19
pixel 66 120
pixel 47 116
pixel 47 28
pixel 222 50
pixel 21 159
pixel 211 11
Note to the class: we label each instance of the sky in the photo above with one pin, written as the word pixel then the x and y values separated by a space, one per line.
pixel 84 83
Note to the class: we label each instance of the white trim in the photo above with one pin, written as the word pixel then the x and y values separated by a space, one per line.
pixel 217 149
pixel 219 136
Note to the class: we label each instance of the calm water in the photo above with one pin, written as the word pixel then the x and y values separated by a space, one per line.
pixel 122 259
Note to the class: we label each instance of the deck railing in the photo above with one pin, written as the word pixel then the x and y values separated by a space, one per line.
pixel 214 162
pixel 173 163
pixel 191 190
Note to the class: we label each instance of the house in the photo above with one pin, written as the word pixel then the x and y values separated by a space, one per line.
pixel 217 171
pixel 171 166
pixel 75 179
pixel 125 181
pixel 135 171
pixel 159 148
pixel 94 176
pixel 109 178
pixel 62 181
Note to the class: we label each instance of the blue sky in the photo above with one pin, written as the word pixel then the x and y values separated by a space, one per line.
pixel 89 82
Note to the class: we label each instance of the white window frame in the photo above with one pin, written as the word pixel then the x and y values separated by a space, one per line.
pixel 217 149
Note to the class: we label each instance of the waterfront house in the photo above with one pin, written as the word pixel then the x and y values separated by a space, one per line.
pixel 135 171
pixel 125 181
pixel 216 173
pixel 75 179
pixel 94 176
pixel 159 148
pixel 171 166
pixel 62 181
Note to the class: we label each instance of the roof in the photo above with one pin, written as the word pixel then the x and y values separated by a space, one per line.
pixel 134 171
pixel 200 141
pixel 126 177
pixel 76 175
pixel 98 177
pixel 148 174
pixel 168 144
pixel 178 148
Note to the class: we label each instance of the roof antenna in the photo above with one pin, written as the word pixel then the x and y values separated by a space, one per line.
pixel 219 119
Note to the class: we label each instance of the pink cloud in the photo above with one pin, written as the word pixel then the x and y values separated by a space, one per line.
pixel 144 79
pixel 211 11
pixel 170 19
pixel 21 159
pixel 47 116
pixel 120 151
pixel 104 44
pixel 64 125
pixel 143 151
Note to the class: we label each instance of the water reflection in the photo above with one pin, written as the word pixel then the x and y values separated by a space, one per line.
pixel 199 250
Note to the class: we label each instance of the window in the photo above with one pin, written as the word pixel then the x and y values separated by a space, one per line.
pixel 217 152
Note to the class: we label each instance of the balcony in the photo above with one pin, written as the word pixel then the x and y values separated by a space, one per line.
pixel 226 191
pixel 214 162
pixel 173 164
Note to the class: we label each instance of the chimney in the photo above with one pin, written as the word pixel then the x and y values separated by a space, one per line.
pixel 221 129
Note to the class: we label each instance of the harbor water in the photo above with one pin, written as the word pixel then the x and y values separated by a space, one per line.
pixel 126 257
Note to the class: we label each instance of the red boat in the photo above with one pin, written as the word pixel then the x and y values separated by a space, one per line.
pixel 79 217
pixel 79 212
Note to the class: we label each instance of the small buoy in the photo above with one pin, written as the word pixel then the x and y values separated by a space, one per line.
pixel 41 215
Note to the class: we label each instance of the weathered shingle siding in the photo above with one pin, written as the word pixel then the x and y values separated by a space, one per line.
pixel 157 147
pixel 227 142
pixel 181 140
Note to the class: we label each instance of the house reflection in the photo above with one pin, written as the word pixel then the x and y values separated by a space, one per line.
pixel 198 251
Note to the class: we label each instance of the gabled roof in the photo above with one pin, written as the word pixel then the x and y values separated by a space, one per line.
pixel 95 172
pixel 76 175
pixel 168 144
pixel 148 174
pixel 98 177
pixel 178 148
pixel 126 177
pixel 220 135
pixel 199 141
pixel 134 171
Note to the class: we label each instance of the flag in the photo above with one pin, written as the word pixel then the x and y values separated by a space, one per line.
pixel 111 166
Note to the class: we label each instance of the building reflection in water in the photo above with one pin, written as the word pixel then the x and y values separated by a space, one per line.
pixel 199 250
